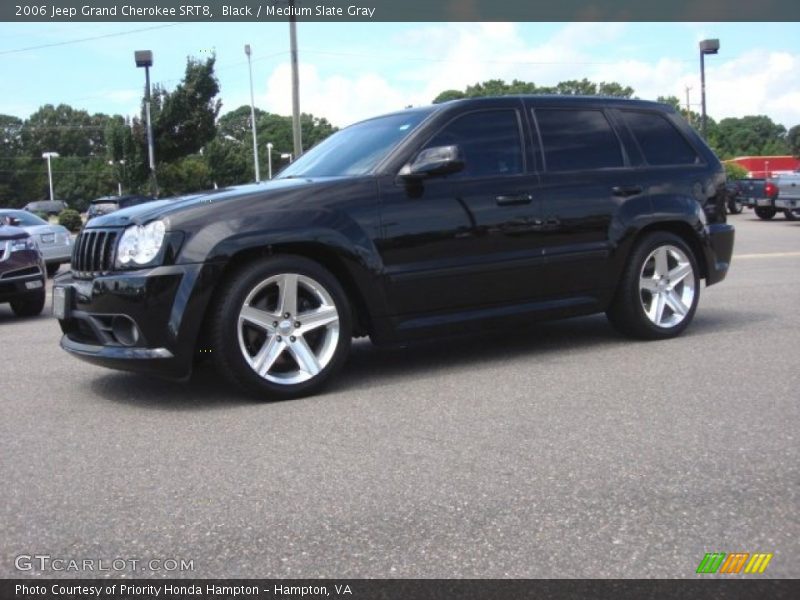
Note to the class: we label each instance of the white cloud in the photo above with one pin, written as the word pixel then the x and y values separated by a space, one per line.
pixel 340 99
pixel 418 64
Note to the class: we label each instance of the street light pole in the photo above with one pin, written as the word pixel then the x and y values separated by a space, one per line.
pixel 706 47
pixel 296 134
pixel 253 114
pixel 144 58
pixel 48 156
pixel 269 161
pixel 119 179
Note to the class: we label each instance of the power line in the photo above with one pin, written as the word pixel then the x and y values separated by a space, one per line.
pixel 470 60
pixel 88 39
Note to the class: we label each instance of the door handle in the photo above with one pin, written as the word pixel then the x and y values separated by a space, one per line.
pixel 513 199
pixel 626 190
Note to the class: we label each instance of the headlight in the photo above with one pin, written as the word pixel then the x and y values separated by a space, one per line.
pixel 24 244
pixel 140 245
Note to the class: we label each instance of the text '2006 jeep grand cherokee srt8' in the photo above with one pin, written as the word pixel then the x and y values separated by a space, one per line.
pixel 421 222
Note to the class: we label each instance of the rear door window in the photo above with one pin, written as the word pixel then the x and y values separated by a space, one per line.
pixel 578 139
pixel 661 143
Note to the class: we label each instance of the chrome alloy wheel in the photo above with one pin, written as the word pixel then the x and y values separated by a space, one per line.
pixel 667 286
pixel 288 328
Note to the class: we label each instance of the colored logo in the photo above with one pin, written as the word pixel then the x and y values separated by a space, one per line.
pixel 734 563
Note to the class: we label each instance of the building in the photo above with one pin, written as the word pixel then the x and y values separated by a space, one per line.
pixel 767 166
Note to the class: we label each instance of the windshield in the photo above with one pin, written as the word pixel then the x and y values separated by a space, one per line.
pixel 357 149
pixel 26 219
pixel 104 207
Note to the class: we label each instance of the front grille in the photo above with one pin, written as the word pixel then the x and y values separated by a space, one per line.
pixel 93 253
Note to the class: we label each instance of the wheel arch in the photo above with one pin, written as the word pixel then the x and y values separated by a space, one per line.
pixel 342 266
pixel 683 230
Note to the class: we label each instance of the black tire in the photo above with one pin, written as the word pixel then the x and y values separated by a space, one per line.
pixel 628 312
pixel 29 305
pixel 735 207
pixel 257 283
pixel 765 212
pixel 52 269
pixel 789 214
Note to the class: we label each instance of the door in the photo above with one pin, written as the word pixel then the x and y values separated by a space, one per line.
pixel 585 180
pixel 464 241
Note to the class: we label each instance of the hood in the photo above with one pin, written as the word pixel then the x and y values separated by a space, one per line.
pixel 279 193
pixel 7 232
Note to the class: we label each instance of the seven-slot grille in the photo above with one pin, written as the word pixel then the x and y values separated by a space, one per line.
pixel 94 252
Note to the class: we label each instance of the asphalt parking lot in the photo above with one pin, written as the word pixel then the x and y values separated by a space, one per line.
pixel 561 451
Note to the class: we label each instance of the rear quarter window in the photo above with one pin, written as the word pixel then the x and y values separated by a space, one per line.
pixel 660 142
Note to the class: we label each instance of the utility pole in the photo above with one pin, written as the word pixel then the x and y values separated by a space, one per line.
pixel 253 114
pixel 688 105
pixel 706 47
pixel 144 58
pixel 298 141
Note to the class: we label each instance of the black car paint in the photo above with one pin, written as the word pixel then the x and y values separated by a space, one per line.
pixel 14 268
pixel 416 259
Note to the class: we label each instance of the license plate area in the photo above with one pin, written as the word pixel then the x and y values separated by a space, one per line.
pixel 62 297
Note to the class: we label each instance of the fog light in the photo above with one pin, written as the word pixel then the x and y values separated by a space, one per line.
pixel 124 330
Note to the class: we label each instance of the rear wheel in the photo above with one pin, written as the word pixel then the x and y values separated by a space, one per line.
pixel 282 328
pixel 765 212
pixel 29 305
pixel 790 215
pixel 659 289
pixel 735 207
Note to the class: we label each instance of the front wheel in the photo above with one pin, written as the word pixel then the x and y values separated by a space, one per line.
pixel 659 290
pixel 281 328
pixel 765 212
pixel 735 207
pixel 29 305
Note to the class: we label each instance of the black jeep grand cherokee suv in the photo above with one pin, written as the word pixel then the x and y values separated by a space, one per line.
pixel 417 223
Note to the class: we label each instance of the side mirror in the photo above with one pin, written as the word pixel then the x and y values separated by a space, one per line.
pixel 432 162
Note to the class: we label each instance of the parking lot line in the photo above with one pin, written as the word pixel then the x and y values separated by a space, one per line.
pixel 766 255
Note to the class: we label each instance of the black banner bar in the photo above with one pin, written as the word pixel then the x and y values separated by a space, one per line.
pixel 397 10
pixel 398 589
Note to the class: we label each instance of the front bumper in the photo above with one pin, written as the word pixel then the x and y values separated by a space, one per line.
pixel 146 320
pixel 56 254
pixel 22 272
pixel 17 287
pixel 718 251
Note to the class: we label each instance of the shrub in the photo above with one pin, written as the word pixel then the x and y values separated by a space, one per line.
pixel 71 219
pixel 735 171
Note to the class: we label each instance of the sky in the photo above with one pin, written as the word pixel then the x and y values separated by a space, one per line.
pixel 350 71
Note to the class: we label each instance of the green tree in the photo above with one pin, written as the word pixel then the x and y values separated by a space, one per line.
pixel 448 95
pixel 230 155
pixel 750 136
pixel 63 129
pixel 184 120
pixel 793 140
pixel 183 176
pixel 13 162
pixel 573 87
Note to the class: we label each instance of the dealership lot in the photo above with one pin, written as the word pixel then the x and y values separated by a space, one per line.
pixel 561 451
